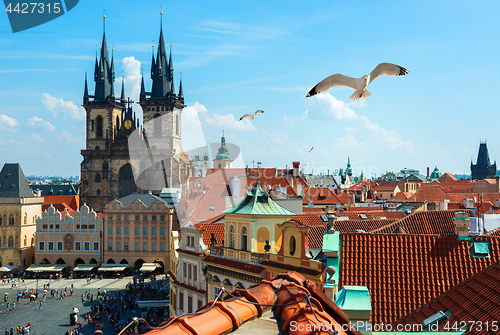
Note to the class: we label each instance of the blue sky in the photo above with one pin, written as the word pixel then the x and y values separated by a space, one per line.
pixel 240 56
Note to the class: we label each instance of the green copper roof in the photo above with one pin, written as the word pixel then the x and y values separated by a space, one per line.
pixel 258 202
pixel 223 152
pixel 353 298
pixel 435 174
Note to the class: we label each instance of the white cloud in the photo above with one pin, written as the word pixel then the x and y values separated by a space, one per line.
pixel 192 132
pixel 292 120
pixel 8 121
pixel 132 72
pixel 37 137
pixel 326 105
pixel 66 137
pixel 228 121
pixel 36 122
pixel 67 108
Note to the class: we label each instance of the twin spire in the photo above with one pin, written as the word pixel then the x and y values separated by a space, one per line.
pixel 162 73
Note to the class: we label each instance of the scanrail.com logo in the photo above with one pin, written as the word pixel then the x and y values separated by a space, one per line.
pixel 26 15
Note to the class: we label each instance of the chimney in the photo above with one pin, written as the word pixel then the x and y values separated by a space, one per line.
pixel 428 172
pixel 443 204
pixel 468 203
pixel 330 214
pixel 296 166
pixel 462 223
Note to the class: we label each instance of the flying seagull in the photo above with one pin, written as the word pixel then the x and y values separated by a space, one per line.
pixel 252 116
pixel 311 149
pixel 358 84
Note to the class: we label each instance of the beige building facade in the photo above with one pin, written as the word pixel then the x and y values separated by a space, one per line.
pixel 19 209
pixel 66 239
pixel 137 230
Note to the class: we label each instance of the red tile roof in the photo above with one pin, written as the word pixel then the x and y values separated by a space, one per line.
pixel 365 225
pixel 320 196
pixel 372 215
pixel 315 237
pixel 214 225
pixel 476 299
pixel 461 186
pixel 494 232
pixel 60 207
pixel 447 177
pixel 363 209
pixel 73 201
pixel 404 272
pixel 402 196
pixel 430 193
pixel 389 188
pixel 427 222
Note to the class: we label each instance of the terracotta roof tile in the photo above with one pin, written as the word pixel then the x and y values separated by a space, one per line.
pixel 320 196
pixel 404 272
pixel 401 196
pixel 459 186
pixel 475 299
pixel 427 222
pixel 430 193
pixel 213 225
pixel 494 232
pixel 447 177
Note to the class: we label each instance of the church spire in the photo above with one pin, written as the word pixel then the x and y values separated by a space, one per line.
pixel 171 69
pixel 104 72
pixel 143 89
pixel 86 89
pixel 161 71
pixel 122 96
pixel 181 93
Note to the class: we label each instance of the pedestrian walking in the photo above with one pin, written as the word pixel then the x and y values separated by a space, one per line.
pixel 41 305
pixel 13 306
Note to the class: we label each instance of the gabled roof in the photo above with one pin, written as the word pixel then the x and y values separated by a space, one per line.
pixel 73 201
pixel 456 186
pixel 258 202
pixel 476 299
pixel 146 199
pixel 426 222
pixel 320 196
pixel 401 196
pixel 447 177
pixel 214 225
pixel 13 183
pixel 430 193
pixel 404 272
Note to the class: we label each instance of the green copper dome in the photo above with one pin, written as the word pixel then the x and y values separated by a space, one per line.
pixel 435 174
pixel 223 152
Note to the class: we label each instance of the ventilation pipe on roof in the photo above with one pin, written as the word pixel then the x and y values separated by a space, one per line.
pixel 428 172
pixel 330 214
pixel 443 204
pixel 468 203
pixel 296 166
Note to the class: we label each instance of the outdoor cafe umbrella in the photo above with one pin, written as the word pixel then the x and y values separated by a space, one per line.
pixel 98 332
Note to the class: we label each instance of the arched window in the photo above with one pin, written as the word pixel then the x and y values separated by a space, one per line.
pixel 97 147
pixel 231 237
pixel 0 220
pixel 98 192
pixel 11 220
pixel 33 240
pixel 11 242
pixel 99 126
pixel 25 240
pixel 25 218
pixel 157 124
pixel 0 242
pixel 244 238
pixel 97 177
pixel 117 122
pixel 292 245
pixel 219 166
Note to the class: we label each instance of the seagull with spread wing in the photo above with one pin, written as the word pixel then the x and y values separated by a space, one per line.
pixel 311 150
pixel 251 116
pixel 358 84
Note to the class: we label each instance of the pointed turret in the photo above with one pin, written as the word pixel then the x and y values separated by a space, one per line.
pixel 171 72
pixel 160 73
pixel 122 96
pixel 104 73
pixel 143 88
pixel 86 89
pixel 181 93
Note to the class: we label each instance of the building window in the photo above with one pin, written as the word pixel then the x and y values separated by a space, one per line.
pixel 50 245
pixel 114 206
pixel 125 218
pixel 125 230
pixel 118 218
pixel 190 304
pixel 96 246
pixel 86 246
pixel 162 217
pixel 137 230
pixel 195 272
pixel 181 300
pixel 144 218
pixel 125 246
pixel 41 246
pixel 118 246
pixel 144 230
pixel 162 230
pixel 118 230
pixel 110 245
pixel 153 217
pixel 97 177
pixel 11 220
pixel 153 246
pixel 231 236
pixel 137 246
pixel 99 126
pixel 292 245
pixel 244 238
pixel 110 230
pixel 216 292
pixel 177 128
pixel 162 246
pixel 78 246
pixel 184 269
pixel 59 246
pixel 153 230
pixel 25 240
pixel 189 271
pixel 110 217
pixel 136 206
pixel 157 124
pixel 200 304
pixel 137 218
pixel 144 246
